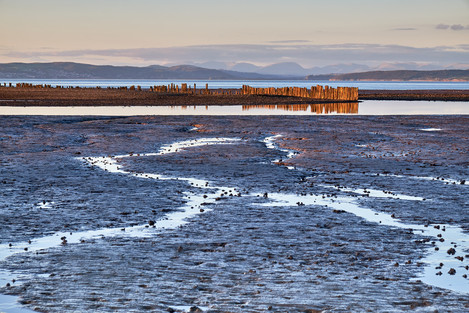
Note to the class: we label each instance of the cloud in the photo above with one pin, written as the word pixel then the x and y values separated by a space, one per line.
pixel 289 41
pixel 307 55
pixel 404 29
pixel 455 27
pixel 442 26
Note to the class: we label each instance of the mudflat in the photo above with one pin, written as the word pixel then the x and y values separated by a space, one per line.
pixel 279 226
pixel 431 95
pixel 116 97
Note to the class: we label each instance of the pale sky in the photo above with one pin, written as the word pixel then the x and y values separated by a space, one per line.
pixel 144 32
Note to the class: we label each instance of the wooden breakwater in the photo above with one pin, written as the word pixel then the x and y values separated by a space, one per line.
pixel 315 92
pixel 318 92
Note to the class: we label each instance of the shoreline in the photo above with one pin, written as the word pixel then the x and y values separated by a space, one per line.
pixel 115 97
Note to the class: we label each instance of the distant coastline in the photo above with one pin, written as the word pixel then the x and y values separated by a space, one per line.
pixel 69 70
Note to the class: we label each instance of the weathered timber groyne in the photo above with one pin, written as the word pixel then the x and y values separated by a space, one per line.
pixel 316 92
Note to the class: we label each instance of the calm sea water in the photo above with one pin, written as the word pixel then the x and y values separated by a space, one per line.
pixel 238 83
pixel 368 107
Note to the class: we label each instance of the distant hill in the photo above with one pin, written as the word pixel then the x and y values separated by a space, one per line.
pixel 439 75
pixel 69 70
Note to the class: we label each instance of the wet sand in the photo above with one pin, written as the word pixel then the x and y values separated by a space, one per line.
pixel 115 97
pixel 275 224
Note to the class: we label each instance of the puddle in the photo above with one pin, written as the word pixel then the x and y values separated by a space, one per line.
pixel 270 144
pixel 9 304
pixel 431 129
pixel 373 193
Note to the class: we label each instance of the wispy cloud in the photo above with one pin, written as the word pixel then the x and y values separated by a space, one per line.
pixel 455 27
pixel 404 29
pixel 442 26
pixel 289 41
pixel 307 55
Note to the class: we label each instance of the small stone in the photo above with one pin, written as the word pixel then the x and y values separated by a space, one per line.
pixel 451 251
pixel 452 271
pixel 151 223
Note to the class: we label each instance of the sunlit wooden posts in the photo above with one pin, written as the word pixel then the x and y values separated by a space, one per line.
pixel 315 92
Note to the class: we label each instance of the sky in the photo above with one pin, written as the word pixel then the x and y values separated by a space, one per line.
pixel 311 33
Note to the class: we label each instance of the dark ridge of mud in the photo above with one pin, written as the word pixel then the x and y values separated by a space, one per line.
pixel 414 95
pixel 240 257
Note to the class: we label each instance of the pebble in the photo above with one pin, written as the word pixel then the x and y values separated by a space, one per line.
pixel 451 251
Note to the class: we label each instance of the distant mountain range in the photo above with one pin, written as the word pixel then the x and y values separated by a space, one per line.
pixel 239 71
pixel 440 75
pixel 69 70
pixel 296 70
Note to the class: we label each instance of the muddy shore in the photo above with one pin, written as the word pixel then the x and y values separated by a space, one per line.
pixel 415 95
pixel 115 97
pixel 242 253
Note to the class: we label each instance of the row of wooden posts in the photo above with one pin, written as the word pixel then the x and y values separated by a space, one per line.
pixel 315 92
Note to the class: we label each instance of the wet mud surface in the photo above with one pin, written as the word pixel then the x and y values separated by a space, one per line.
pixel 242 251
pixel 411 95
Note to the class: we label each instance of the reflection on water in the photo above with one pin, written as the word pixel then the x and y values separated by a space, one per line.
pixel 368 107
pixel 318 108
